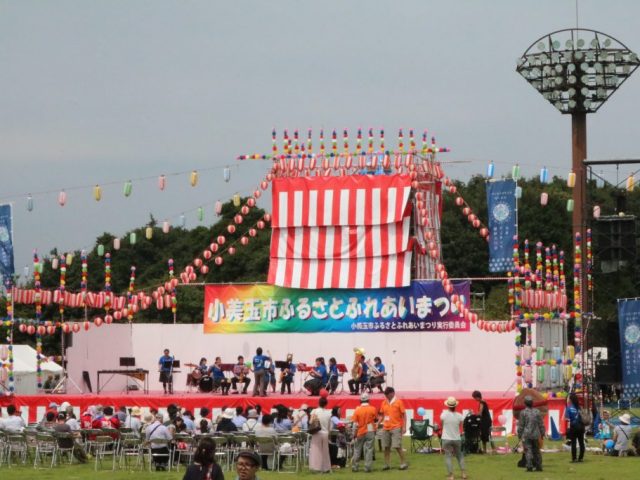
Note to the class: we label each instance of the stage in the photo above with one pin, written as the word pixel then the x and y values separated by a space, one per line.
pixel 33 407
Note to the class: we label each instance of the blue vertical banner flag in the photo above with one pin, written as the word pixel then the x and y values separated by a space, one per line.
pixel 503 223
pixel 6 243
pixel 629 323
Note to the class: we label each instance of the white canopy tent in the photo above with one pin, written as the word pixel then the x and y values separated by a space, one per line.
pixel 25 370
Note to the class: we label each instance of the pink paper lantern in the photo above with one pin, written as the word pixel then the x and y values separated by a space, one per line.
pixel 204 269
pixel 219 260
pixel 244 241
pixel 221 239
pixel 231 229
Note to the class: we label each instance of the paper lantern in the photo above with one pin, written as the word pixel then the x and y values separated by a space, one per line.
pixel 491 168
pixel 165 227
pixel 232 250
pixel 226 174
pixel 218 260
pixel 236 200
pixel 75 327
pixel 596 211
pixel 221 239
pixel 218 207
pixel 200 213
pixel 459 201
pixel 97 321
pixel 69 259
pixel 86 325
pixel 238 219
pixel 253 232
pixel 257 194
pixel 62 198
pixel 193 178
pixel 204 269
pixel 148 233
pixel 251 202
pixel 260 224
pixel 116 244
pixel 66 328
pixel 571 180
pixel 244 241
pixel 97 193
pixel 162 182
pixel 544 175
pixel 183 220
pixel 100 250
pixel 29 203
pixel 630 183
pixel 214 247
pixel 544 198
pixel 244 210
pixel 570 205
pixel 231 229
pixel 54 263
pixel 127 188
pixel 518 192
pixel 267 217
pixel 515 172
pixel 133 238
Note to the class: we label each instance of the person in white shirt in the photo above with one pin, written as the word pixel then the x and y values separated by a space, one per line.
pixel 319 460
pixel 239 420
pixel 133 420
pixel 451 441
pixel 203 423
pixel 14 422
pixel 158 431
pixel 252 421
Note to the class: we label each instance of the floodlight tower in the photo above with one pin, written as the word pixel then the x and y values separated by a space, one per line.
pixel 577 70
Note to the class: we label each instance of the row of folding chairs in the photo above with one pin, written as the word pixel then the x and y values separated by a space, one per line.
pixel 40 446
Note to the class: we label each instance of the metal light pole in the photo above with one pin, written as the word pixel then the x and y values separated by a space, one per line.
pixel 577 70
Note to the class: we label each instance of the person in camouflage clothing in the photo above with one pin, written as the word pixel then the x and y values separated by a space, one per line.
pixel 530 432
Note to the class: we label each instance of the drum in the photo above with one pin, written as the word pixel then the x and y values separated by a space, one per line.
pixel 206 384
pixel 196 374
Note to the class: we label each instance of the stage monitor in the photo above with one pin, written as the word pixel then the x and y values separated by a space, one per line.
pixel 176 364
pixel 127 361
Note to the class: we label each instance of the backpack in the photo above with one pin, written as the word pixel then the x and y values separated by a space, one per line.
pixel 585 417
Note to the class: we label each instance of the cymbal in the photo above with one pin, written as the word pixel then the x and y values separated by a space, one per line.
pixel 191 365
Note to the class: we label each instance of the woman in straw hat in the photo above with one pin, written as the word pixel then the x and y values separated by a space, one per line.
pixel 621 436
pixel 451 441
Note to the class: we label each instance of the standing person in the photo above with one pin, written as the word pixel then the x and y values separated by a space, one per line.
pixel 319 460
pixel 247 465
pixel 531 432
pixel 485 421
pixel 394 427
pixel 451 441
pixel 165 366
pixel 241 375
pixel 204 466
pixel 364 432
pixel 576 428
pixel 259 373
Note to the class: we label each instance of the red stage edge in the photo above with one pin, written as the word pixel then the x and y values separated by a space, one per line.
pixel 33 407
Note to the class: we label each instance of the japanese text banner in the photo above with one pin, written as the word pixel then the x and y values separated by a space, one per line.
pixel 629 323
pixel 422 306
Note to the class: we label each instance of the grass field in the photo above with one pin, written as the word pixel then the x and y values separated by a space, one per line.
pixel 490 467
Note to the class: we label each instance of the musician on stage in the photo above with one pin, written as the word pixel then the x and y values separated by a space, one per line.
pixel 377 374
pixel 219 380
pixel 319 380
pixel 261 364
pixel 201 370
pixel 286 375
pixel 359 376
pixel 240 374
pixel 165 366
pixel 333 375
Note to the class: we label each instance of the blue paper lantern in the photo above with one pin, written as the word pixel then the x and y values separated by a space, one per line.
pixel 491 168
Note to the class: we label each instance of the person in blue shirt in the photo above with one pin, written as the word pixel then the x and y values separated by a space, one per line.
pixel 261 364
pixel 575 430
pixel 219 380
pixel 378 378
pixel 165 366
pixel 319 377
pixel 333 375
pixel 286 375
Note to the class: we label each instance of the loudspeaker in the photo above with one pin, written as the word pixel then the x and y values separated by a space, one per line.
pixel 614 242
pixel 608 373
pixel 87 380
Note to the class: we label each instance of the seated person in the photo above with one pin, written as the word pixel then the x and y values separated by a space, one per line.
pixel 226 421
pixel 193 378
pixel 241 375
pixel 71 441
pixel 219 380
pixel 622 436
pixel 377 379
pixel 333 375
pixel 319 377
pixel 158 431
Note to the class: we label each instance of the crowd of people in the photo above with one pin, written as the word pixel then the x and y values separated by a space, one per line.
pixel 329 432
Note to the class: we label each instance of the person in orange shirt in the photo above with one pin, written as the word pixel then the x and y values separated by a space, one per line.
pixel 394 427
pixel 364 432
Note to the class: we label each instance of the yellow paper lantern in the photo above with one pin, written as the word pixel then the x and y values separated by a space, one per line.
pixel 571 180
pixel 236 200
pixel 148 233
pixel 193 179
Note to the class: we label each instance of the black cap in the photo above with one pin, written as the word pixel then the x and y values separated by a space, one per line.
pixel 253 456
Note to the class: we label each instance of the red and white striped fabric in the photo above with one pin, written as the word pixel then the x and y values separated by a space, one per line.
pixel 341 232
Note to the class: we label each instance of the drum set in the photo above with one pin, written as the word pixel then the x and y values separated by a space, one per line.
pixel 199 380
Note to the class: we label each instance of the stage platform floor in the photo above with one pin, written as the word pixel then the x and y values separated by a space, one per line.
pixel 33 407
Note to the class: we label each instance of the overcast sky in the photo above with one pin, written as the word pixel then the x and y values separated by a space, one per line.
pixel 102 91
